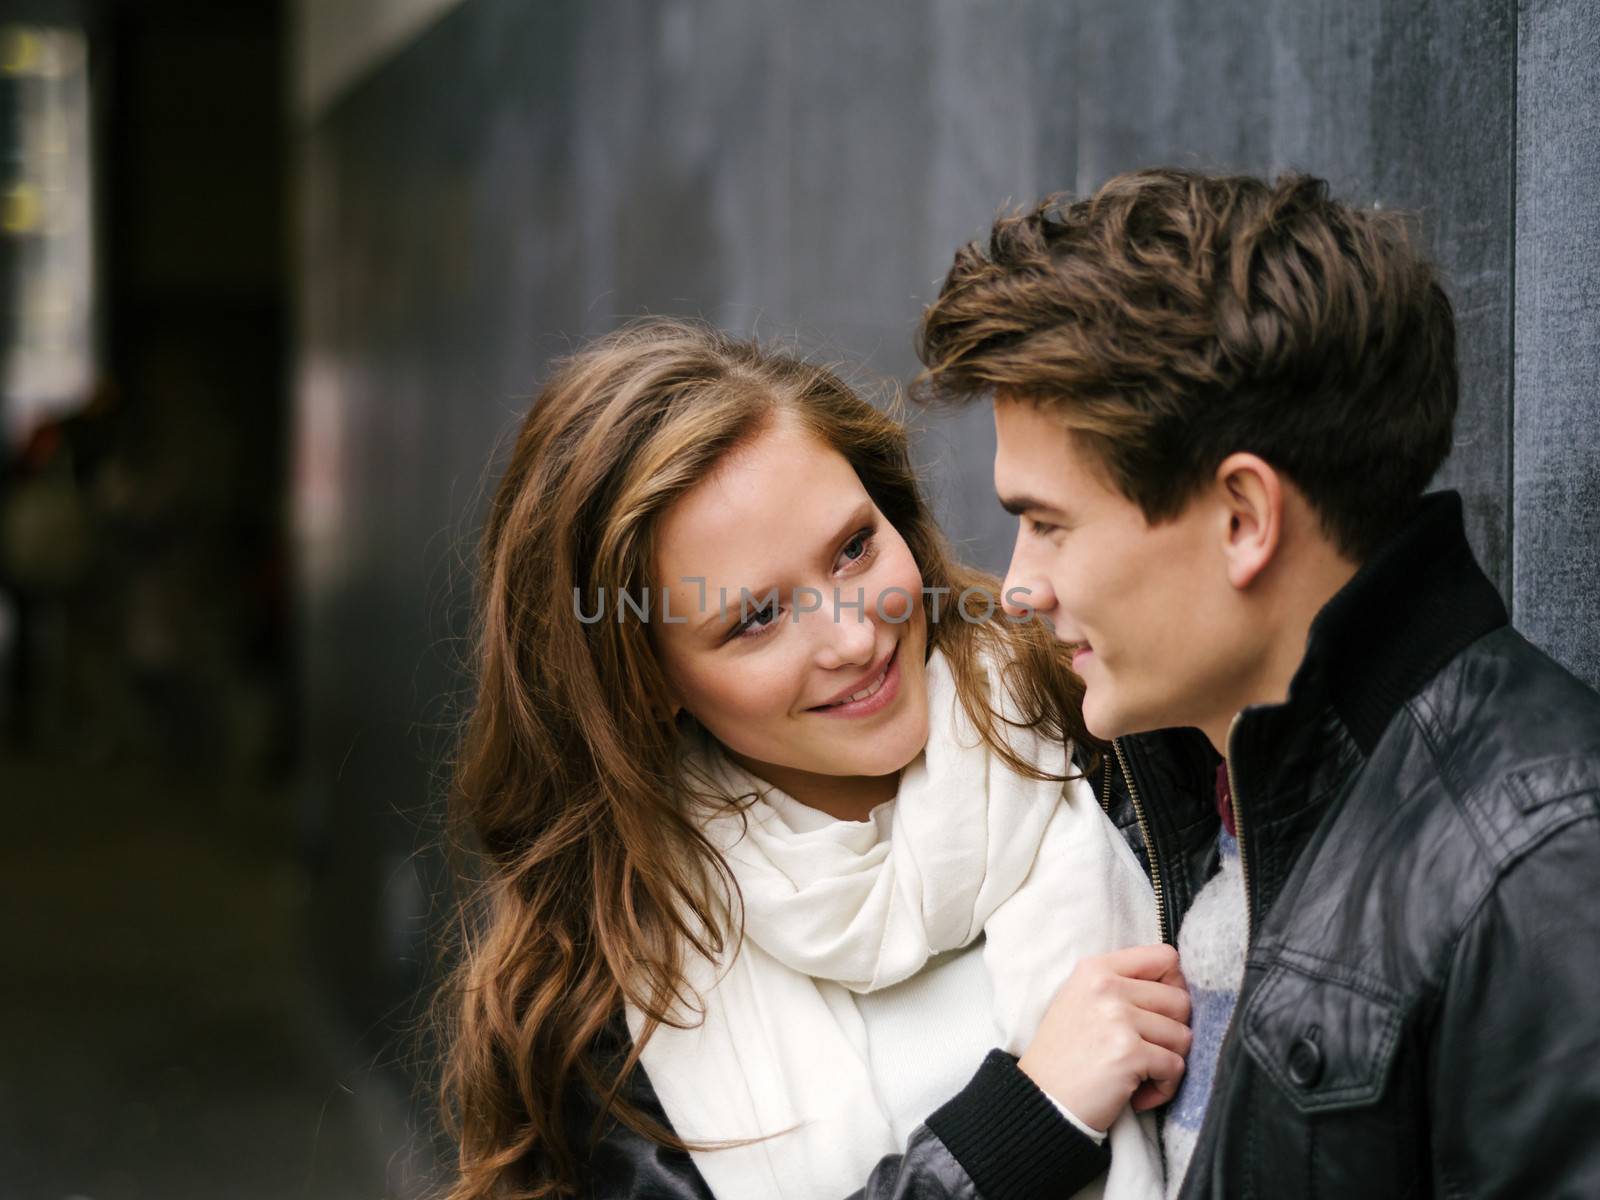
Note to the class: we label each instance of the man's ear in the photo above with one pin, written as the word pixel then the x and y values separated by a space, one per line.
pixel 1251 493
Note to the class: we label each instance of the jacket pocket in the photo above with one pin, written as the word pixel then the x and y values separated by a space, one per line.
pixel 1326 1042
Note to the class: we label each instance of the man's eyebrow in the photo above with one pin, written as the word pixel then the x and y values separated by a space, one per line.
pixel 1017 505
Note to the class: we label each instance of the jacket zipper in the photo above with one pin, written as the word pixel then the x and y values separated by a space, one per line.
pixel 1238 830
pixel 1149 846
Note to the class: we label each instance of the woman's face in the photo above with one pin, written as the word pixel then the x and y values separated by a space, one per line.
pixel 771 677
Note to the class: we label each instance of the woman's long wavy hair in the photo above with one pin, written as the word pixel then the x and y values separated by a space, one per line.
pixel 585 880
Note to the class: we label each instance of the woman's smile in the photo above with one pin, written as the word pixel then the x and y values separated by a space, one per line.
pixel 874 696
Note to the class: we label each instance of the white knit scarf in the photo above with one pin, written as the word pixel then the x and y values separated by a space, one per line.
pixel 976 848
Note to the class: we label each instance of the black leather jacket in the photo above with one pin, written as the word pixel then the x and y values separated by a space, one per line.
pixel 1420 832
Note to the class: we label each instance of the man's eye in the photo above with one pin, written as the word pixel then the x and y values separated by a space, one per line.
pixel 1041 528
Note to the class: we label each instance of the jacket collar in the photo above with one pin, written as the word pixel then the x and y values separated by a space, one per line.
pixel 1413 606
pixel 1417 603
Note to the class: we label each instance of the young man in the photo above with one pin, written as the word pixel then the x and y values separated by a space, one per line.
pixel 1218 402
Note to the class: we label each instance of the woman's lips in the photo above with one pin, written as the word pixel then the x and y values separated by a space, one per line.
pixel 888 689
pixel 1078 655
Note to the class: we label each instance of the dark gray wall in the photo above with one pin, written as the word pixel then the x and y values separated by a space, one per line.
pixel 1553 504
pixel 524 175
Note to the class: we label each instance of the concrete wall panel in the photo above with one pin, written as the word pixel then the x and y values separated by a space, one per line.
pixel 1556 499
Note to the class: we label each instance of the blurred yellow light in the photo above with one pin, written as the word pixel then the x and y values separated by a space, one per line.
pixel 19 50
pixel 20 209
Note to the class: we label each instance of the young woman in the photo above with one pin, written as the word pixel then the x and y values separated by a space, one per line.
pixel 776 829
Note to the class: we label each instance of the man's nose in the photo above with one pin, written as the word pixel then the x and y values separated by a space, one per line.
pixel 1027 589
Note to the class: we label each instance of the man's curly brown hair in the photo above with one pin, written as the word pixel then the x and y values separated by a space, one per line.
pixel 1175 317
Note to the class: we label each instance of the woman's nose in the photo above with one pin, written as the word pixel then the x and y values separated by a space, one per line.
pixel 848 638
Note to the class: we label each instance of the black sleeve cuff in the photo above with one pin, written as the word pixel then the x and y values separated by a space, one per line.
pixel 1012 1140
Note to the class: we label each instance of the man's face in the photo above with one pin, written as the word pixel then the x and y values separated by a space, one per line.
pixel 1164 641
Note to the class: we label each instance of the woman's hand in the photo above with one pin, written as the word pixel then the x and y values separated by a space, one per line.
pixel 1118 1030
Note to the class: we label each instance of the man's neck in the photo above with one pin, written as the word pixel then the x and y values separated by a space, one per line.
pixel 1304 589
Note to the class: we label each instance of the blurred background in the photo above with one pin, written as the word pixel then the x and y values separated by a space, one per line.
pixel 276 279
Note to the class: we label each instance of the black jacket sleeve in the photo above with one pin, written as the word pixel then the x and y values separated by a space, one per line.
pixel 1516 1066
pixel 999 1138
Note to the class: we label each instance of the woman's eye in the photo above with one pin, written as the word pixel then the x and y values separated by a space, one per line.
pixel 857 548
pixel 759 620
pixel 1041 528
